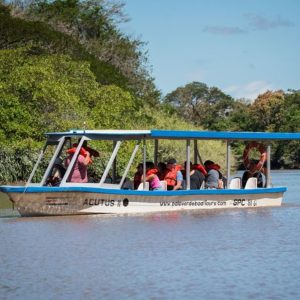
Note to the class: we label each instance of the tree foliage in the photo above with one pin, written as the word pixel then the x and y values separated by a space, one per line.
pixel 291 111
pixel 16 33
pixel 204 106
pixel 272 111
pixel 93 23
pixel 42 93
pixel 266 112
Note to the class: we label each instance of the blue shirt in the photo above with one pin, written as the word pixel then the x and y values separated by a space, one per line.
pixel 212 179
pixel 179 176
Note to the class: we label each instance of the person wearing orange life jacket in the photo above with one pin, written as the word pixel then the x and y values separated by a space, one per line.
pixel 214 178
pixel 152 178
pixel 79 171
pixel 200 168
pixel 196 177
pixel 83 151
pixel 173 177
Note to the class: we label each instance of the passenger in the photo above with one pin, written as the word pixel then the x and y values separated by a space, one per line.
pixel 200 168
pixel 79 171
pixel 173 176
pixel 252 172
pixel 214 178
pixel 152 178
pixel 57 173
pixel 196 177
pixel 162 170
pixel 137 179
pixel 83 150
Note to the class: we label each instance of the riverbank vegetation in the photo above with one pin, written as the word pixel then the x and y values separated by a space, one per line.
pixel 65 64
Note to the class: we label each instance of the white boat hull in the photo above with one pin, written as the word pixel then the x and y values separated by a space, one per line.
pixel 124 202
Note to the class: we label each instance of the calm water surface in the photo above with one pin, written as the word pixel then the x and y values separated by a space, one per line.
pixel 229 254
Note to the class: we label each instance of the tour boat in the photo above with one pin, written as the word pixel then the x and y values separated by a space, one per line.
pixel 112 194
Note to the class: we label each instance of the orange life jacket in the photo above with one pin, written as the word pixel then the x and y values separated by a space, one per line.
pixel 151 171
pixel 82 151
pixel 171 176
pixel 90 150
pixel 213 167
pixel 200 168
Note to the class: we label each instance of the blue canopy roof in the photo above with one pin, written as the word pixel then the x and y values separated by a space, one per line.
pixel 223 135
pixel 109 134
pixel 175 134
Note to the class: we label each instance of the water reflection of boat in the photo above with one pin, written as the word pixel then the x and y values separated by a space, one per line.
pixel 112 195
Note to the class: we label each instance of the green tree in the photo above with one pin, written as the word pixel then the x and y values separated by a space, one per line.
pixel 278 111
pixel 16 33
pixel 201 105
pixel 42 93
pixel 291 123
pixel 94 24
pixel 238 118
pixel 291 111
pixel 113 108
pixel 266 112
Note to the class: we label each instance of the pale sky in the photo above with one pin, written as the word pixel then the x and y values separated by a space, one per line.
pixel 243 47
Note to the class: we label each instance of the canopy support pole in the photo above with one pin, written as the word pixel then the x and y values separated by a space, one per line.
pixel 188 165
pixel 110 162
pixel 36 165
pixel 51 164
pixel 195 151
pixel 144 164
pixel 228 162
pixel 155 152
pixel 268 175
pixel 129 163
pixel 114 166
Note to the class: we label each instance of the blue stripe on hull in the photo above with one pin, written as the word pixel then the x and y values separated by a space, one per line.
pixel 45 189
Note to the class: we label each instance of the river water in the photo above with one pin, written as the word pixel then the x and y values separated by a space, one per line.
pixel 229 254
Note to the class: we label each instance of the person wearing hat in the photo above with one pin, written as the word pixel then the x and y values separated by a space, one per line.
pixel 253 172
pixel 214 178
pixel 196 177
pixel 173 177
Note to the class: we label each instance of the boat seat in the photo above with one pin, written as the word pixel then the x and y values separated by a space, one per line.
pixel 235 183
pixel 251 183
pixel 202 187
pixel 164 184
pixel 140 187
